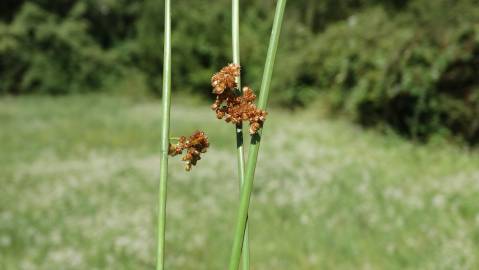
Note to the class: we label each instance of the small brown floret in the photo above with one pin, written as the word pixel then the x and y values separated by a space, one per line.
pixel 225 79
pixel 195 145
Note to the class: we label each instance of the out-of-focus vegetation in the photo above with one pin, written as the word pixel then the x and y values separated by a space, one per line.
pixel 416 71
pixel 328 195
pixel 412 65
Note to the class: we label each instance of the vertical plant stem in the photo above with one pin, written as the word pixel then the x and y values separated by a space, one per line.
pixel 239 127
pixel 165 134
pixel 255 140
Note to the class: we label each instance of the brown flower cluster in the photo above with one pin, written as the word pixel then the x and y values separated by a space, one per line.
pixel 225 79
pixel 232 107
pixel 195 145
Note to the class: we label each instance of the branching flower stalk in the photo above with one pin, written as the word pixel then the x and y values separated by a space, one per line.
pixel 255 141
pixel 165 134
pixel 239 126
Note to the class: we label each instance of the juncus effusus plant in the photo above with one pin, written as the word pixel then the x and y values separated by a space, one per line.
pixel 247 187
pixel 233 104
pixel 193 145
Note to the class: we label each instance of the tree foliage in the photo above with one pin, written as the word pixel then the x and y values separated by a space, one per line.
pixel 43 53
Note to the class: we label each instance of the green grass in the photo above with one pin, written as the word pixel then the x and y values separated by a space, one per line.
pixel 79 182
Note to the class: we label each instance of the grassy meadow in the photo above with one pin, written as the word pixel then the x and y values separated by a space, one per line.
pixel 79 179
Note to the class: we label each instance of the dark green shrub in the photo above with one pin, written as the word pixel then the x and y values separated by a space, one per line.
pixel 417 71
pixel 42 53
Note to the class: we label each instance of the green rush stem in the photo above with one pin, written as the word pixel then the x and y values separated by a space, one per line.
pixel 255 140
pixel 239 127
pixel 165 133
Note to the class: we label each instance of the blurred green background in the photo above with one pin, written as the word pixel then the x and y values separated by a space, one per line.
pixel 412 66
pixel 369 158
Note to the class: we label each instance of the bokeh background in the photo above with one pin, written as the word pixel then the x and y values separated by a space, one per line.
pixel 369 156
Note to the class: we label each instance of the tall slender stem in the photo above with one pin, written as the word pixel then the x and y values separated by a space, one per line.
pixel 255 141
pixel 165 134
pixel 239 127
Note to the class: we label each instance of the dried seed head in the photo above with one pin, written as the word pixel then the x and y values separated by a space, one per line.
pixel 254 127
pixel 235 108
pixel 248 94
pixel 195 145
pixel 225 79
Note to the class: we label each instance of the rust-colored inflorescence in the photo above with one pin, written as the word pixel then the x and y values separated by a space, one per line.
pixel 195 145
pixel 225 79
pixel 232 107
